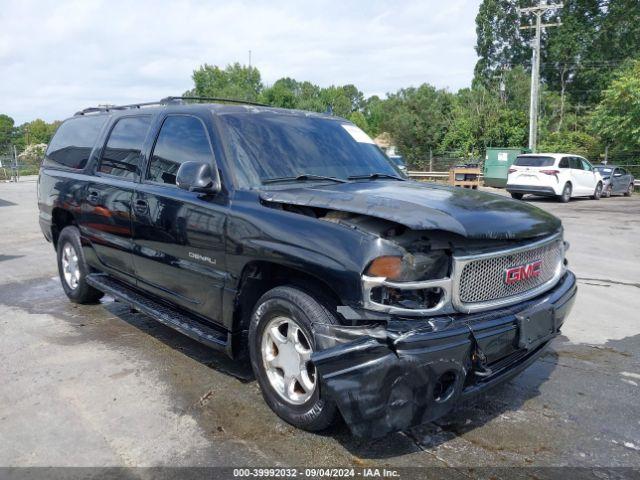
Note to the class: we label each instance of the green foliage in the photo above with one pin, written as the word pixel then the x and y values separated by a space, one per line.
pixel 417 119
pixel 234 81
pixel 617 118
pixel 6 131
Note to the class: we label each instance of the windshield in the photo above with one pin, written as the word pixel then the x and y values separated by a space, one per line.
pixel 534 161
pixel 605 171
pixel 270 145
pixel 398 160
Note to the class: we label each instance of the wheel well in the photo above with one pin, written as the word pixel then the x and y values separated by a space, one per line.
pixel 60 218
pixel 259 277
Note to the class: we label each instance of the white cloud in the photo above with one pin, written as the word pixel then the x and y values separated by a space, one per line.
pixel 58 57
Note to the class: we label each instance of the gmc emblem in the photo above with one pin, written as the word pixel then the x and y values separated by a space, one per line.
pixel 522 272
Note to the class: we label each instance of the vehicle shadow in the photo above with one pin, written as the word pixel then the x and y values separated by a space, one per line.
pixel 193 349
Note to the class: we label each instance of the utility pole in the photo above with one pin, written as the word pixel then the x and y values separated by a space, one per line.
pixel 538 11
pixel 249 58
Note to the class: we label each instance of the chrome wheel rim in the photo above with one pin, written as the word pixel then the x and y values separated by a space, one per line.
pixel 70 267
pixel 286 355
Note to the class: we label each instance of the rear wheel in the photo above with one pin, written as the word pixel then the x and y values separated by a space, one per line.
pixel 598 192
pixel 73 268
pixel 281 342
pixel 566 193
pixel 517 196
pixel 629 191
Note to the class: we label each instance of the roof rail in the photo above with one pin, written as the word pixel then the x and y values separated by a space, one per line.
pixel 164 101
pixel 217 99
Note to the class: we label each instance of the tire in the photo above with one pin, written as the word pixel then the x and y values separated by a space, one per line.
pixel 607 192
pixel 598 192
pixel 73 268
pixel 517 196
pixel 629 191
pixel 565 196
pixel 309 410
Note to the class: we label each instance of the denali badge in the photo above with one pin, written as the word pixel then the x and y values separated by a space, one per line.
pixel 522 272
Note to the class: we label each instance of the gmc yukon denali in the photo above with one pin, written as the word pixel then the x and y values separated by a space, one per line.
pixel 288 239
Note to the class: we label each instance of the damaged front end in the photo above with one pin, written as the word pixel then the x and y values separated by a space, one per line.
pixel 438 325
pixel 406 372
pixel 448 309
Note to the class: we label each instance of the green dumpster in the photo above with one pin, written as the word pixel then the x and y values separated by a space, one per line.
pixel 497 163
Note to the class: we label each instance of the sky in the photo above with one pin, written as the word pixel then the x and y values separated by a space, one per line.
pixel 61 56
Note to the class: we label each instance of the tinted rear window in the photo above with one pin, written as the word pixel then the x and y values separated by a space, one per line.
pixel 122 155
pixel 72 144
pixel 534 161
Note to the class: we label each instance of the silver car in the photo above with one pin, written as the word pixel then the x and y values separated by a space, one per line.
pixel 615 180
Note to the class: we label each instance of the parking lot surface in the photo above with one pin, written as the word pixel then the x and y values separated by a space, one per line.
pixel 102 386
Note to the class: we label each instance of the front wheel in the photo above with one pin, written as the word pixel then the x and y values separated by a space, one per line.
pixel 73 268
pixel 598 192
pixel 565 196
pixel 517 196
pixel 629 191
pixel 608 191
pixel 281 342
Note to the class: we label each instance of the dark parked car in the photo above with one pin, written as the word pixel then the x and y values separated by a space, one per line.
pixel 290 239
pixel 616 180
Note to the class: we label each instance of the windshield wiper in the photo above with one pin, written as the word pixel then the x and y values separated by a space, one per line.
pixel 302 178
pixel 373 176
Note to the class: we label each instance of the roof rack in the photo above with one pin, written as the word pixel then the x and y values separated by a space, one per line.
pixel 216 99
pixel 164 101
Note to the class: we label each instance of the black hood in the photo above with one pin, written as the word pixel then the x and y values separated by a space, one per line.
pixel 470 213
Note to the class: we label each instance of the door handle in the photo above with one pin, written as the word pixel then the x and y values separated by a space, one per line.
pixel 93 198
pixel 141 206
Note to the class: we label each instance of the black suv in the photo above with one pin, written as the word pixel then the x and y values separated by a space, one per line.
pixel 288 238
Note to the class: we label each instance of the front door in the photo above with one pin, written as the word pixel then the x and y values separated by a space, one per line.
pixel 106 210
pixel 179 235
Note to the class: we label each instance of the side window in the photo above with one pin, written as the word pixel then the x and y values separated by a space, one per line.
pixel 575 163
pixel 74 140
pixel 122 157
pixel 181 139
pixel 621 171
pixel 586 165
pixel 564 163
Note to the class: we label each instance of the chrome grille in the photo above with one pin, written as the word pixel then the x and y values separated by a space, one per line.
pixel 483 280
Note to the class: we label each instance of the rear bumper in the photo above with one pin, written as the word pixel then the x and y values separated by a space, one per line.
pixel 531 189
pixel 409 372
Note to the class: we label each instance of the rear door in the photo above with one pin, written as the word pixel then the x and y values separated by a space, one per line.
pixel 179 235
pixel 590 176
pixel 577 176
pixel 107 203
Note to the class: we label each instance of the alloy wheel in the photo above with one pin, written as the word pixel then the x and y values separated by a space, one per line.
pixel 286 354
pixel 70 266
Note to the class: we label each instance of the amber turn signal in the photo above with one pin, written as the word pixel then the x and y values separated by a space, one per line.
pixel 389 267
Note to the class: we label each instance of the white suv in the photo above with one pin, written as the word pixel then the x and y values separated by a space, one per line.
pixel 559 175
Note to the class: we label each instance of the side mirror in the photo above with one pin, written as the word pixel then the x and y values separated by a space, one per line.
pixel 197 177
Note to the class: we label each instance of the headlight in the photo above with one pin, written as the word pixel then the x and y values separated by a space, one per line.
pixel 411 267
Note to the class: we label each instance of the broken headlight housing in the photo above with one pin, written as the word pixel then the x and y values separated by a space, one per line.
pixel 413 284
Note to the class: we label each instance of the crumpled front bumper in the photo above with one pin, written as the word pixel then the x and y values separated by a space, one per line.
pixel 408 372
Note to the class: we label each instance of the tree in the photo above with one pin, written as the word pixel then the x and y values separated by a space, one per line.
pixel 6 131
pixel 617 117
pixel 417 119
pixel 234 82
pixel 499 42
